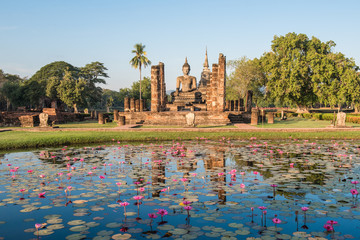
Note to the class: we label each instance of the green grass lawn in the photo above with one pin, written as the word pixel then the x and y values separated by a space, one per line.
pixel 301 123
pixel 25 139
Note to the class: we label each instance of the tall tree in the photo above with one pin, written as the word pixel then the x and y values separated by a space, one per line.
pixel 93 73
pixel 139 59
pixel 288 71
pixel 71 90
pixel 245 74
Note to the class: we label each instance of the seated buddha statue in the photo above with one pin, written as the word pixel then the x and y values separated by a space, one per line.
pixel 188 83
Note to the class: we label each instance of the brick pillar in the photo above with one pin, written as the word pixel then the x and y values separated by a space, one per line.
pixel 142 105
pixel 101 118
pixel 254 118
pixel 132 105
pixel 121 121
pixel 116 115
pixel 126 104
pixel 228 105
pixel 221 86
pixel 92 114
pixel 248 105
pixel 211 96
pixel 163 97
pixel 137 105
pixel 241 104
pixel 270 117
pixel 155 89
pixel 236 105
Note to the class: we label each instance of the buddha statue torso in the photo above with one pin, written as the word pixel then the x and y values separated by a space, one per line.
pixel 188 83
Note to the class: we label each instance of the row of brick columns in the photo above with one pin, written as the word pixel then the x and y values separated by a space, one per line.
pixel 117 118
pixel 257 116
pixel 235 105
pixel 134 105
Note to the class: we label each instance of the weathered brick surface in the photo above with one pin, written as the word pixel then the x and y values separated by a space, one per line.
pixel 170 118
pixel 101 119
pixel 254 117
pixel 116 115
pixel 270 117
pixel 29 120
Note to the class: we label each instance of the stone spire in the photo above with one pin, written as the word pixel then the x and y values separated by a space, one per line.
pixel 206 63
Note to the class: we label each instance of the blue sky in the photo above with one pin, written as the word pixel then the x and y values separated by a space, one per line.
pixel 37 32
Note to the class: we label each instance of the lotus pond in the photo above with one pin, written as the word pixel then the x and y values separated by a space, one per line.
pixel 183 190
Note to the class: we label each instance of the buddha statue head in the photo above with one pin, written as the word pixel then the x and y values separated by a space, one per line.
pixel 186 67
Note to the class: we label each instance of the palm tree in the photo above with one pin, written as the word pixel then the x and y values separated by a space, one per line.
pixel 140 59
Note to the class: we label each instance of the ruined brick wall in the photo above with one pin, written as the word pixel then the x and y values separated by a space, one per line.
pixel 170 118
pixel 158 88
pixel 155 88
pixel 215 95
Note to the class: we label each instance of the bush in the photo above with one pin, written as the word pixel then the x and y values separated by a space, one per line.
pixel 353 119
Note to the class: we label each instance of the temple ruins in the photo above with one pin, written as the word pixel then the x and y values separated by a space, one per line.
pixel 206 99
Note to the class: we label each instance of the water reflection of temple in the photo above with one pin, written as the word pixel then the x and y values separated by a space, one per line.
pixel 216 160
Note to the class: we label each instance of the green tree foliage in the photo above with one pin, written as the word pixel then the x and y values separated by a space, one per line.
pixel 46 82
pixel 245 75
pixel 11 90
pixel 288 71
pixel 71 90
pixel 93 73
pixel 301 71
pixel 139 60
pixel 13 93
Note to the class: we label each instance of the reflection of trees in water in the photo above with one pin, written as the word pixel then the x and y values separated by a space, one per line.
pixel 315 178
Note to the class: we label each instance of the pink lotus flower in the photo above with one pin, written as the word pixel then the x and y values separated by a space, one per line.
pixel 354 192
pixel 220 174
pixel 42 194
pixel 332 222
pixel 141 189
pixel 328 228
pixel 90 173
pixel 41 175
pixel 60 174
pixel 69 188
pixel 355 182
pixel 242 185
pixel 118 183
pixel 101 177
pixel 188 208
pixel 152 215
pixel 162 212
pixel 262 208
pixel 186 202
pixel 38 225
pixel 276 220
pixel 22 190
pixel 30 171
pixel 183 179
pixel 304 209
pixel 255 172
pixel 124 204
pixel 138 197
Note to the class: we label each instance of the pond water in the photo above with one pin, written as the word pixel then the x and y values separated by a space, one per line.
pixel 183 190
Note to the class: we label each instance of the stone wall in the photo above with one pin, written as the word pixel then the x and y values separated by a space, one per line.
pixel 169 118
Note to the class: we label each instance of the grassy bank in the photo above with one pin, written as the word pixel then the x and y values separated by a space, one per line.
pixel 23 139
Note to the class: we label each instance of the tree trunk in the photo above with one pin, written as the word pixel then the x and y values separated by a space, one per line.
pixel 140 82
pixel 302 109
pixel 107 109
pixel 75 108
